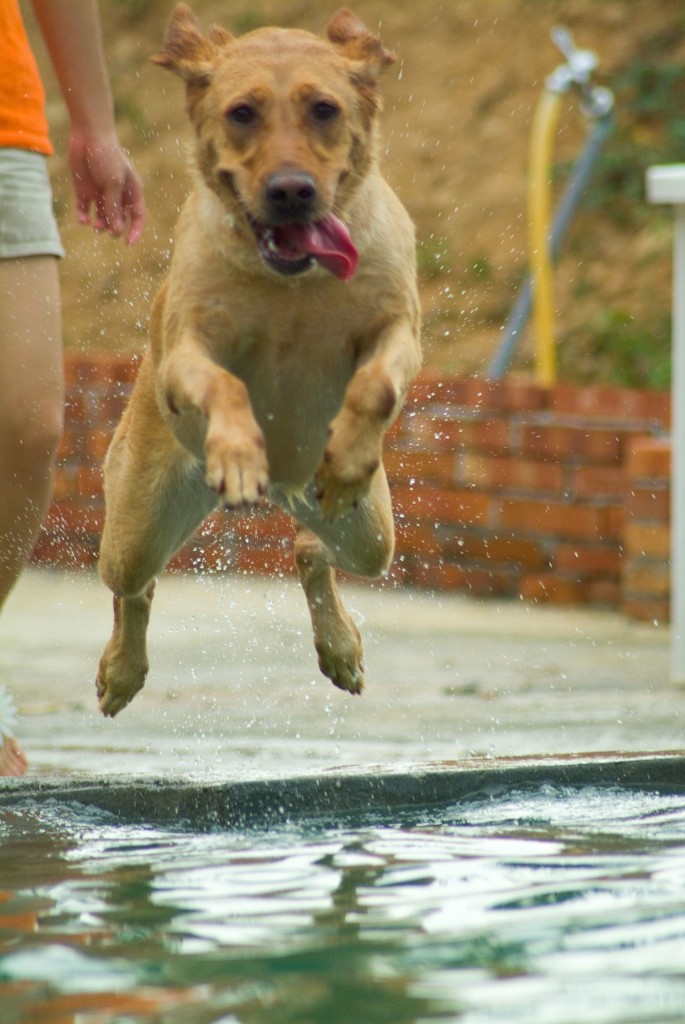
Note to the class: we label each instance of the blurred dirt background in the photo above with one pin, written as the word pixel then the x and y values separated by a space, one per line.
pixel 458 109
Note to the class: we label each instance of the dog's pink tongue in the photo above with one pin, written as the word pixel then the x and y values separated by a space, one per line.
pixel 329 242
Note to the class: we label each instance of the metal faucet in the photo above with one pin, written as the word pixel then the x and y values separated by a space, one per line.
pixel 596 101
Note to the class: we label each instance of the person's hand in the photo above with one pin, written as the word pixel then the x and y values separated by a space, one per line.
pixel 109 193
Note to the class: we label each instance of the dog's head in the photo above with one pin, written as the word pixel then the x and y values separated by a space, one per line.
pixel 285 130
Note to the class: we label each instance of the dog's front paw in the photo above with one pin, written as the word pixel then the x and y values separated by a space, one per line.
pixel 344 478
pixel 237 470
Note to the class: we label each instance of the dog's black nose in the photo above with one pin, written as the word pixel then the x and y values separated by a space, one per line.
pixel 290 195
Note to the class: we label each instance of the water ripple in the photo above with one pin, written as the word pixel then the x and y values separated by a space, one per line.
pixel 550 907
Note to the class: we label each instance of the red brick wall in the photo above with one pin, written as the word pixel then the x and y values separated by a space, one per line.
pixel 646 539
pixel 499 488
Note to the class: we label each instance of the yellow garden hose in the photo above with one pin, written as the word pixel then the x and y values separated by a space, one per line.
pixel 540 227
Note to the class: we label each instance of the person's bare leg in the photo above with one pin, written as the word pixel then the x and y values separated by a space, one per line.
pixel 12 759
pixel 31 417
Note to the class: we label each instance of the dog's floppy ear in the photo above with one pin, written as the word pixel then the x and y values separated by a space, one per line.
pixel 352 39
pixel 187 52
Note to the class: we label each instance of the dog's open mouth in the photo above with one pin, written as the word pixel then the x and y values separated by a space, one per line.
pixel 294 248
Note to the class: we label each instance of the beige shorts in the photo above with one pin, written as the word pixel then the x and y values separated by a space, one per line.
pixel 27 220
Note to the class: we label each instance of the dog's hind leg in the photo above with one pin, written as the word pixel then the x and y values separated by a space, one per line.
pixel 134 551
pixel 124 665
pixel 336 638
pixel 155 497
pixel 359 542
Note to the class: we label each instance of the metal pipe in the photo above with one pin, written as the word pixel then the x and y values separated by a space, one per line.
pixel 568 204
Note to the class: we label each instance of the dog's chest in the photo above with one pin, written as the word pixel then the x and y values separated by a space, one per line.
pixel 296 370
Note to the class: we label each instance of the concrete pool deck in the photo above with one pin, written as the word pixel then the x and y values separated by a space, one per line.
pixel 234 691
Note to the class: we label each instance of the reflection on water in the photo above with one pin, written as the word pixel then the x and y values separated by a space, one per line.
pixel 553 908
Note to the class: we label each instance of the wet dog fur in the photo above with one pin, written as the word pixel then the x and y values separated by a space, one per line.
pixel 275 367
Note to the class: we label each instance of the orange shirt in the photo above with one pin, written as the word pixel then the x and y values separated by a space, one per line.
pixel 23 124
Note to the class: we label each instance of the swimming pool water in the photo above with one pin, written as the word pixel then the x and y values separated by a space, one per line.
pixel 558 906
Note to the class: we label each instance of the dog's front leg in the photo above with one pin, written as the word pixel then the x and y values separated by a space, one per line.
pixel 235 452
pixel 373 399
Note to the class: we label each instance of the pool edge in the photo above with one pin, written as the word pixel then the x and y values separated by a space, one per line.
pixel 270 802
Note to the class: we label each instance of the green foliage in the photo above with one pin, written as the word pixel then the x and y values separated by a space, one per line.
pixel 432 257
pixel 620 350
pixel 650 129
pixel 127 108
pixel 135 10
pixel 247 20
pixel 481 267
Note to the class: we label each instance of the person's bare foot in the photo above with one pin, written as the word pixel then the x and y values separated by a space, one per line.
pixel 12 760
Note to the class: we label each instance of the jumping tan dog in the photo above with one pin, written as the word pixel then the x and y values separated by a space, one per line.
pixel 283 339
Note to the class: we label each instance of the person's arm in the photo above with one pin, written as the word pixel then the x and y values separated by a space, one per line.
pixel 108 191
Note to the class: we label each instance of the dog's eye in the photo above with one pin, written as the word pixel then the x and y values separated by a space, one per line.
pixel 242 114
pixel 324 111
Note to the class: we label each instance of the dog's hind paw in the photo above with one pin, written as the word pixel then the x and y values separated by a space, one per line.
pixel 341 660
pixel 346 676
pixel 115 686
